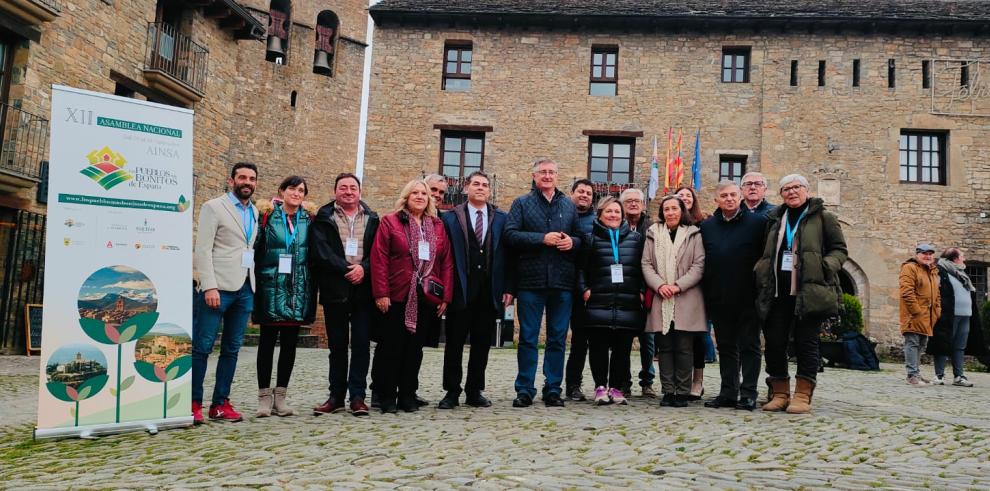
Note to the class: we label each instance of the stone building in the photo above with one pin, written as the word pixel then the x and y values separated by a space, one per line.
pixel 290 104
pixel 883 104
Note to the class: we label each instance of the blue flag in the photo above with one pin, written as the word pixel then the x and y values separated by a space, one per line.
pixel 696 166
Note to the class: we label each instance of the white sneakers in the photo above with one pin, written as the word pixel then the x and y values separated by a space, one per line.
pixel 962 381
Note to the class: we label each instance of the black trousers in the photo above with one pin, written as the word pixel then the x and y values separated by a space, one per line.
pixel 780 325
pixel 286 355
pixel 676 349
pixel 399 353
pixel 738 333
pixel 478 321
pixel 609 357
pixel 699 349
pixel 574 369
pixel 348 325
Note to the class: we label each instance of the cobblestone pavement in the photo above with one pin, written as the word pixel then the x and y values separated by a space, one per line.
pixel 868 430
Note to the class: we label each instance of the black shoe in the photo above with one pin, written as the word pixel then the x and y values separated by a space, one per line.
pixel 374 400
pixel 409 405
pixel 420 401
pixel 692 397
pixel 667 400
pixel 680 401
pixel 746 403
pixel 576 394
pixel 449 401
pixel 388 407
pixel 553 400
pixel 720 402
pixel 477 400
pixel 522 400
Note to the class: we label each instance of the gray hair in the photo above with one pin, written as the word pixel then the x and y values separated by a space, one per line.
pixel 724 183
pixel 435 178
pixel 755 174
pixel 544 160
pixel 625 194
pixel 789 178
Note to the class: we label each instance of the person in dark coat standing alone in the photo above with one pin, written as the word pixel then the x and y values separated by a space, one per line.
pixel 733 242
pixel 611 282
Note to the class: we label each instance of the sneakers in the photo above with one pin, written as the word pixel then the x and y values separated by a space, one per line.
pixel 224 412
pixel 962 381
pixel 649 392
pixel 197 411
pixel 938 381
pixel 916 381
pixel 601 396
pixel 617 396
pixel 575 394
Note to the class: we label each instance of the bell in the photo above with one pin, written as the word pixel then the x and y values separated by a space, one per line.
pixel 321 62
pixel 274 49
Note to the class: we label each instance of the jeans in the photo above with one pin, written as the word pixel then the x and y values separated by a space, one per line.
pixel 960 334
pixel 710 346
pixel 348 324
pixel 609 349
pixel 738 350
pixel 676 350
pixel 531 305
pixel 647 350
pixel 235 309
pixel 780 325
pixel 478 321
pixel 914 346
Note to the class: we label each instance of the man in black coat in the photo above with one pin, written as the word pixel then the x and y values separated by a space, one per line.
pixel 340 244
pixel 733 241
pixel 482 289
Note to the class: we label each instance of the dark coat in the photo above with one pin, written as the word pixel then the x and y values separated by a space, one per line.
pixel 612 305
pixel 281 298
pixel 328 260
pixel 941 340
pixel 820 251
pixel 539 266
pixel 502 280
pixel 586 222
pixel 764 208
pixel 731 250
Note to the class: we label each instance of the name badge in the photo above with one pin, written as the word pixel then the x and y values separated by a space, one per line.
pixel 285 263
pixel 424 250
pixel 787 261
pixel 351 247
pixel 510 313
pixel 616 273
pixel 247 258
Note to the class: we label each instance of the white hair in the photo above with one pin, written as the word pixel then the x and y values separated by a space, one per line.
pixel 625 194
pixel 544 160
pixel 755 174
pixel 435 178
pixel 789 178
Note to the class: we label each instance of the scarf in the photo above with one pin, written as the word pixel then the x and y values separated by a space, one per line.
pixel 666 252
pixel 421 268
pixel 958 272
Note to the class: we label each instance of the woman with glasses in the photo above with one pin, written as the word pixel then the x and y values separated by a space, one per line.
pixel 797 289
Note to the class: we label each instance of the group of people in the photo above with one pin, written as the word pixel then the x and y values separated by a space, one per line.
pixel 604 271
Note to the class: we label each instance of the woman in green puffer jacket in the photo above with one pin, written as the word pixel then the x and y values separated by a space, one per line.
pixel 285 297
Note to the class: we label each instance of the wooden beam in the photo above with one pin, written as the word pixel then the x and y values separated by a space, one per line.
pixel 463 127
pixel 622 133
pixel 233 22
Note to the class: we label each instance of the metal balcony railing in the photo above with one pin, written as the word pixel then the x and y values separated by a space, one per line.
pixel 25 141
pixel 176 55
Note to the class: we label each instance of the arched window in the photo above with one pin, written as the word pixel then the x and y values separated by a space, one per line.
pixel 327 29
pixel 279 25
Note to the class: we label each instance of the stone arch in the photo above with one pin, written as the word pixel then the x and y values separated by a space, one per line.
pixel 854 281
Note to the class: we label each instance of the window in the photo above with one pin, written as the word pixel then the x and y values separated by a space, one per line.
pixel 891 74
pixel 461 153
pixel 279 24
pixel 457 67
pixel 964 74
pixel 604 70
pixel 610 159
pixel 794 73
pixel 821 73
pixel 926 74
pixel 855 73
pixel 731 168
pixel 327 27
pixel 735 65
pixel 978 275
pixel 922 157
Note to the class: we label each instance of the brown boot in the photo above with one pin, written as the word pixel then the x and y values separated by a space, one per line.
pixel 280 407
pixel 264 403
pixel 801 403
pixel 780 394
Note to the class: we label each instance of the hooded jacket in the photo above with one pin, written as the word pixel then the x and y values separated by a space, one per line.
pixel 921 302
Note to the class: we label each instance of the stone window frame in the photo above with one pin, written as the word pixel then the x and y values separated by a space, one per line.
pixel 926 74
pixel 460 73
pixel 462 136
pixel 610 158
pixel 905 149
pixel 730 72
pixel 730 159
pixel 601 52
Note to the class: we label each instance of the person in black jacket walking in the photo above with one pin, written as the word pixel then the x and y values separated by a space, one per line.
pixel 611 281
pixel 733 241
pixel 541 229
pixel 341 241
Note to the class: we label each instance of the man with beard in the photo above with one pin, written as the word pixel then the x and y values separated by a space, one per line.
pixel 582 194
pixel 224 261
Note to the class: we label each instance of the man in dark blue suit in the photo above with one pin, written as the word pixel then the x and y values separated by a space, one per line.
pixel 483 289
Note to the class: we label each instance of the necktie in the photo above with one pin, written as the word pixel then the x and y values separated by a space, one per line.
pixel 479 228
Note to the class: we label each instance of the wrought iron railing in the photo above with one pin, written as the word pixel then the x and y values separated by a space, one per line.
pixel 456 192
pixel 177 55
pixel 25 141
pixel 22 243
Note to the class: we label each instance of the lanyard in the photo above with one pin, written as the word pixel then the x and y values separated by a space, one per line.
pixel 289 239
pixel 791 231
pixel 613 236
pixel 248 218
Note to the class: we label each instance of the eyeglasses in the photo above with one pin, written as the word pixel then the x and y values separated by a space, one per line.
pixel 791 189
pixel 753 184
pixel 633 201
pixel 546 172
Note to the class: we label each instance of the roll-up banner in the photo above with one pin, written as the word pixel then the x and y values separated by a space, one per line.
pixel 117 325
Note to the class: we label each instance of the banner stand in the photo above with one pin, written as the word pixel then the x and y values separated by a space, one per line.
pixel 92 432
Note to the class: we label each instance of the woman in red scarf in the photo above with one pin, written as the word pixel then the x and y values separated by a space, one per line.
pixel 412 283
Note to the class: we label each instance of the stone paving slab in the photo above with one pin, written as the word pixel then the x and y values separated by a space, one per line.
pixel 868 430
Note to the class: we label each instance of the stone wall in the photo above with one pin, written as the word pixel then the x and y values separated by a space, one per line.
pixel 531 87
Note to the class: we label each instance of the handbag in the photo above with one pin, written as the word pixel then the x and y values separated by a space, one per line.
pixel 648 298
pixel 433 290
